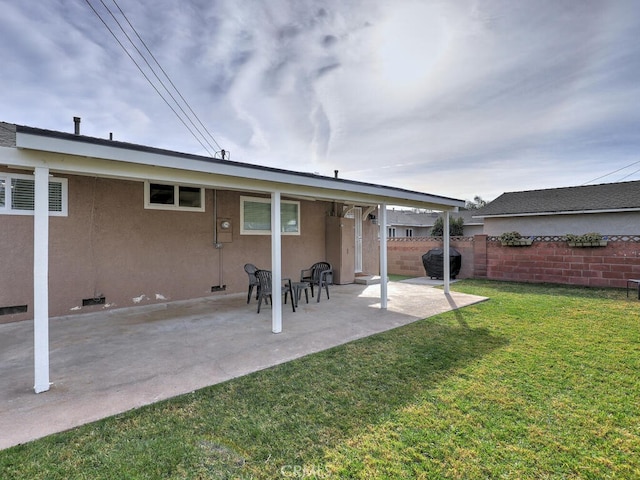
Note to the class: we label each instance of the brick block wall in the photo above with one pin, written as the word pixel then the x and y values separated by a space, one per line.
pixel 556 262
pixel 480 256
pixel 542 261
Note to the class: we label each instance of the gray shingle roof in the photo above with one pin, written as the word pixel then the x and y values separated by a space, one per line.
pixel 468 217
pixel 408 218
pixel 607 196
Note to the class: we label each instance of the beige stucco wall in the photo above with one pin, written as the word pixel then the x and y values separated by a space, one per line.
pixel 298 251
pixel 110 245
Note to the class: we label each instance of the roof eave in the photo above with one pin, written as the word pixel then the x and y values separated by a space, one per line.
pixel 67 144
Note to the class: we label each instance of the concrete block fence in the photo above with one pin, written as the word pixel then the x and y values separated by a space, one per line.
pixel 547 259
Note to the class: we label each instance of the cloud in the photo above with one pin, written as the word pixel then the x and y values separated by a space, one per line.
pixel 458 98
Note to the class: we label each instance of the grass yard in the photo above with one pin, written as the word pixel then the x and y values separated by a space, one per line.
pixel 539 382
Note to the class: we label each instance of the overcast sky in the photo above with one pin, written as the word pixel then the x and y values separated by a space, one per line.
pixel 455 98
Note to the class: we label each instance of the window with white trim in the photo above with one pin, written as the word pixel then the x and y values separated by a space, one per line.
pixel 408 232
pixel 391 232
pixel 172 196
pixel 255 216
pixel 17 195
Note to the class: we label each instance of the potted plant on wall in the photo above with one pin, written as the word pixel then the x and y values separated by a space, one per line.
pixel 514 239
pixel 592 239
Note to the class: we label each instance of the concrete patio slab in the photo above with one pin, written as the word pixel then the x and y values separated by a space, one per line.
pixel 434 282
pixel 112 361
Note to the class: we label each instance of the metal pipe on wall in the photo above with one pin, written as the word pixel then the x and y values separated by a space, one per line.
pixel 217 244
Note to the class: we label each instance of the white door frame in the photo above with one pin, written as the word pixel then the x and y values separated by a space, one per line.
pixel 357 215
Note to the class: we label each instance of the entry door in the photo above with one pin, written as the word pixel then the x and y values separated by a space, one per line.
pixel 357 214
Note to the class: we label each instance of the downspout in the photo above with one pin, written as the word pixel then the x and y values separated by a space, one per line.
pixel 215 218
pixel 334 210
pixel 217 244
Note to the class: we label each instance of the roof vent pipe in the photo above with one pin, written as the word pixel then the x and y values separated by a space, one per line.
pixel 335 173
pixel 76 121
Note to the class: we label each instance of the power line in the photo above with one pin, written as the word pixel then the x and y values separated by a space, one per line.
pixel 145 75
pixel 632 173
pixel 152 70
pixel 124 48
pixel 167 76
pixel 155 74
pixel 615 171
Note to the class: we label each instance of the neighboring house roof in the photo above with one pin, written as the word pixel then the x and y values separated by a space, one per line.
pixel 468 217
pixel 606 197
pixel 407 218
pixel 224 173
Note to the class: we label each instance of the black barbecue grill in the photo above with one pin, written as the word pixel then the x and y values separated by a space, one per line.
pixel 433 262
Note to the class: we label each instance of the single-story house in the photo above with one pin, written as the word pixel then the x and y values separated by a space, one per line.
pixel 409 223
pixel 89 223
pixel 608 209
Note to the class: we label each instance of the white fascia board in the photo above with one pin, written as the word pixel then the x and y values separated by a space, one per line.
pixel 291 182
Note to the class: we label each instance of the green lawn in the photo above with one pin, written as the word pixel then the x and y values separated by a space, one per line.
pixel 539 382
pixel 396 278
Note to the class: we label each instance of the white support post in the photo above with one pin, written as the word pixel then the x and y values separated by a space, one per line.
pixel 383 255
pixel 446 260
pixel 41 280
pixel 276 264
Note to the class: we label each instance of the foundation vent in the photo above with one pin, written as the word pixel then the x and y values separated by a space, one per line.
pixel 13 310
pixel 86 302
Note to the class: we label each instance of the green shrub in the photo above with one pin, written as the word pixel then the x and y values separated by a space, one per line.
pixel 510 236
pixel 591 237
pixel 456 227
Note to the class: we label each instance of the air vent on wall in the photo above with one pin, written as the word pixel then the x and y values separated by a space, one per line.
pixel 13 310
pixel 93 301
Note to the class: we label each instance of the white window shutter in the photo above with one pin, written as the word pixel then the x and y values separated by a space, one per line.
pixel 22 194
pixel 55 196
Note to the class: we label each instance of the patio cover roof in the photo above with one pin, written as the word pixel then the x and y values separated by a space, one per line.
pixel 46 151
pixel 95 156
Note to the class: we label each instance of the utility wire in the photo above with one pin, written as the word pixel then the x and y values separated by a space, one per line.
pixel 152 69
pixel 167 76
pixel 145 75
pixel 615 171
pixel 632 173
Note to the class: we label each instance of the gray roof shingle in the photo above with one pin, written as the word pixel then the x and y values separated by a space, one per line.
pixel 408 218
pixel 607 196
